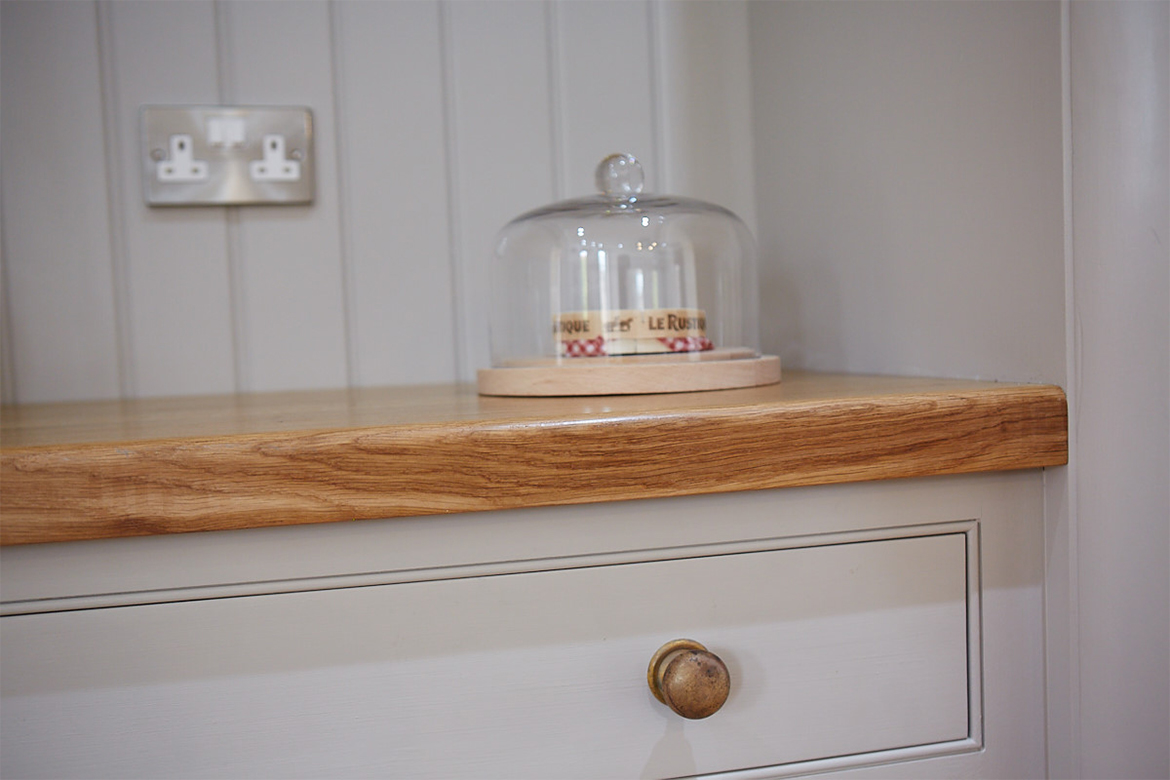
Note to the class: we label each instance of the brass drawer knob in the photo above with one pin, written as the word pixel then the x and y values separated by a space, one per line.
pixel 689 679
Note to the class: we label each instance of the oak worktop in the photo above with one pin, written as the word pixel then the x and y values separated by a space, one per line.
pixel 129 468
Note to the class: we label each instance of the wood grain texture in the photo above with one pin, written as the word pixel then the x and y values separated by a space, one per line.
pixel 628 377
pixel 110 469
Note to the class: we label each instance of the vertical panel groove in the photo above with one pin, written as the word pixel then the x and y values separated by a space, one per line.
pixel 225 70
pixel 237 299
pixel 7 364
pixel 450 114
pixel 233 245
pixel 290 286
pixel 353 372
pixel 1065 729
pixel 556 88
pixel 8 393
pixel 112 132
pixel 976 669
pixel 657 110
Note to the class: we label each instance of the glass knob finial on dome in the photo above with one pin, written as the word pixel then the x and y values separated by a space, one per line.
pixel 620 176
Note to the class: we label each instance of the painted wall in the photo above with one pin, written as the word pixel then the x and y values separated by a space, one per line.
pixel 909 173
pixel 436 124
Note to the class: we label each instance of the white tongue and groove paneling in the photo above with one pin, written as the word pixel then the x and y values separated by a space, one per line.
pixel 59 292
pixel 7 386
pixel 394 191
pixel 604 60
pixel 290 303
pixel 437 122
pixel 705 94
pixel 179 306
pixel 502 143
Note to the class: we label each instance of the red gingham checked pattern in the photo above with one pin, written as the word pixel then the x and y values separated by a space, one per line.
pixel 595 347
pixel 585 347
pixel 688 344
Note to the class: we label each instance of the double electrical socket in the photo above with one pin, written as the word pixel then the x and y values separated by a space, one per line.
pixel 226 155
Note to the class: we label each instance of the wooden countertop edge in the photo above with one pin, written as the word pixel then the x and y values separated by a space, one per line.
pixel 92 491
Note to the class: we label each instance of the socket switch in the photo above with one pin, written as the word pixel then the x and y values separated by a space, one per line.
pixel 226 155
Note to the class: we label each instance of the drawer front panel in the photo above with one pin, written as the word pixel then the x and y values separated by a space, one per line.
pixel 834 650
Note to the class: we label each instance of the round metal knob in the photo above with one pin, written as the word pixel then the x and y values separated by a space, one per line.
pixel 689 679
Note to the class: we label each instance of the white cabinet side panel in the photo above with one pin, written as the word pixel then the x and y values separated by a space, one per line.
pixel 58 273
pixel 176 259
pixel 1120 105
pixel 290 305
pixel 394 177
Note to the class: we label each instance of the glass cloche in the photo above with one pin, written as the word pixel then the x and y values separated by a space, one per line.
pixel 623 292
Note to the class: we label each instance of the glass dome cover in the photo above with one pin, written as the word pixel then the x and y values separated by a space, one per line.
pixel 624 292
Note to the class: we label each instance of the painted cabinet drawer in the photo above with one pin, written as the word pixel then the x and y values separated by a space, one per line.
pixel 837 651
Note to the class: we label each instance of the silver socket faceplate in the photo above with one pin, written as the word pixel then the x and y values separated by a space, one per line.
pixel 227 155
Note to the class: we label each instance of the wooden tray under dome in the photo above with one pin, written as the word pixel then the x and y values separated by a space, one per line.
pixel 717 369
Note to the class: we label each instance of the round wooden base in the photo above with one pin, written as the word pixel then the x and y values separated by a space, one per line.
pixel 631 375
